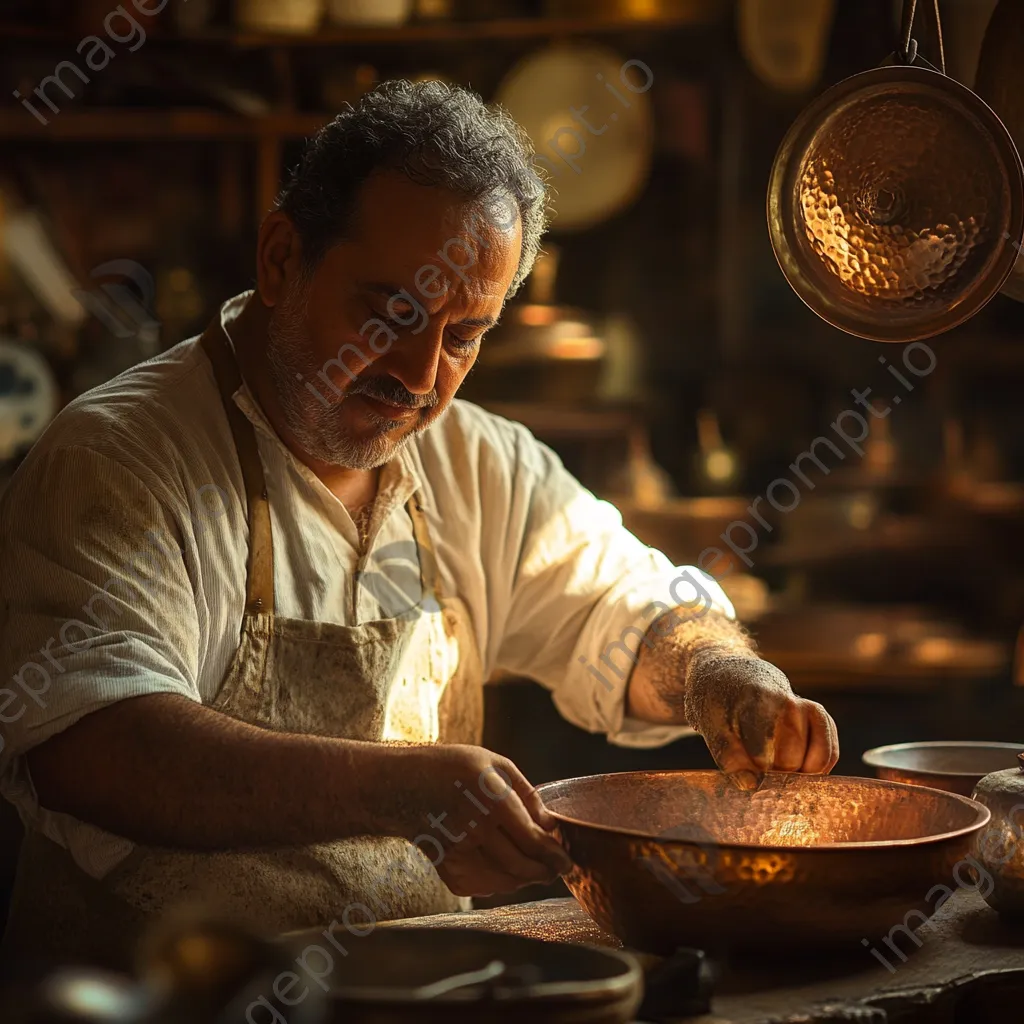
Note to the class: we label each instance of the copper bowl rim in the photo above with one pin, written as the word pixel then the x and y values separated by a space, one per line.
pixel 789 158
pixel 875 757
pixel 982 814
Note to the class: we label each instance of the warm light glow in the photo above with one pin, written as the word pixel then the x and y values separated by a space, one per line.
pixel 861 513
pixel 538 316
pixel 577 348
pixel 790 831
pixel 90 997
pixel 870 645
pixel 721 466
pixel 936 650
pixel 430 662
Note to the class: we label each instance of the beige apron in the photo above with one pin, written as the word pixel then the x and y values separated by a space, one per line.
pixel 417 677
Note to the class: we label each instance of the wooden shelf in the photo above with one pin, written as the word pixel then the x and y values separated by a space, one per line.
pixel 147 125
pixel 473 31
pixel 697 12
pixel 567 422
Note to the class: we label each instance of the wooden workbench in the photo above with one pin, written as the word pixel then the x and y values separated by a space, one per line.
pixel 963 950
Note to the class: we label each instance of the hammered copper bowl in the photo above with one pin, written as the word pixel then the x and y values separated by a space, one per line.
pixel 955 766
pixel 687 858
pixel 895 204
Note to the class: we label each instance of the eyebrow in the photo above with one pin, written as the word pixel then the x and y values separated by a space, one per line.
pixel 477 321
pixel 390 291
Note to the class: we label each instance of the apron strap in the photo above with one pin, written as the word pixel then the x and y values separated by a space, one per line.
pixel 259 595
pixel 430 576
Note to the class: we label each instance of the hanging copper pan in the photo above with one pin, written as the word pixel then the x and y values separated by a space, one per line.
pixel 896 203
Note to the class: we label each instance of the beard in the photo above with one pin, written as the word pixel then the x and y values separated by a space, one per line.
pixel 314 418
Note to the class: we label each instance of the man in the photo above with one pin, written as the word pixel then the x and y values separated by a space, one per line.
pixel 243 716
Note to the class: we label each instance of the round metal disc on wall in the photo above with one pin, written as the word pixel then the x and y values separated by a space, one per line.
pixel 588 113
pixel 896 204
pixel 785 41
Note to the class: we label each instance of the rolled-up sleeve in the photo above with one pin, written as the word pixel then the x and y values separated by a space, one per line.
pixel 584 596
pixel 97 604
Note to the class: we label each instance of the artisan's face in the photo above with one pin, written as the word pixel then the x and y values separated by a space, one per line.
pixel 373 348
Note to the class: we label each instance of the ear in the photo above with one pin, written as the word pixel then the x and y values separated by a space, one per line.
pixel 278 258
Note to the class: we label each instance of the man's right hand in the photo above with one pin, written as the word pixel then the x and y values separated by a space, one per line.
pixel 224 784
pixel 492 827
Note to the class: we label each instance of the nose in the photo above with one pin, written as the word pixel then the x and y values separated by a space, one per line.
pixel 414 360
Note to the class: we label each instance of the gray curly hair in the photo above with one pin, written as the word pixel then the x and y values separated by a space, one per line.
pixel 435 134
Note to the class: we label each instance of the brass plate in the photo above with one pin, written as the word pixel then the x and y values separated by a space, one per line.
pixel 894 205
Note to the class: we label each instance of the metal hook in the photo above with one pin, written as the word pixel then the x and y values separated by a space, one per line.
pixel 908 47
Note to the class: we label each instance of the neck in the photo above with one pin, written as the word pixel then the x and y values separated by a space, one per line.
pixel 249 334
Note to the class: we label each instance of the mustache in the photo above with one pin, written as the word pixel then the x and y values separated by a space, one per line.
pixel 394 392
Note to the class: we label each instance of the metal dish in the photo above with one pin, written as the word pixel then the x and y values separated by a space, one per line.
pixel 669 859
pixel 894 204
pixel 955 766
pixel 448 975
pixel 596 173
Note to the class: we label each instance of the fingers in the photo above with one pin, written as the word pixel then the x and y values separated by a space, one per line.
pixel 529 838
pixel 763 726
pixel 527 794
pixel 510 851
pixel 506 855
pixel 791 734
pixel 823 744
pixel 731 756
pixel 805 739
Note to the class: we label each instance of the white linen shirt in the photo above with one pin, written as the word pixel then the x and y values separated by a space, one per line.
pixel 124 544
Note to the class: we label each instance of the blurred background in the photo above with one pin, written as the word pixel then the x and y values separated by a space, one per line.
pixel 657 347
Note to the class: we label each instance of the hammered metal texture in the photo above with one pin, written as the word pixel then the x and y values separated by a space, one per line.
pixel 998 846
pixel 892 199
pixel 668 859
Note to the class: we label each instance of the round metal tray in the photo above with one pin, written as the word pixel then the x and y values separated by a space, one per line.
pixel 895 202
pixel 956 766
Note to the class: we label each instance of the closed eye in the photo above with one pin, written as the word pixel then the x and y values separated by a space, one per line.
pixel 463 344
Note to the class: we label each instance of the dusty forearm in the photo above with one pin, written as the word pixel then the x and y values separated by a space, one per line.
pixel 657 690
pixel 165 771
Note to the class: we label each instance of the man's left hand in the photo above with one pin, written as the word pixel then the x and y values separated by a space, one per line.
pixel 752 720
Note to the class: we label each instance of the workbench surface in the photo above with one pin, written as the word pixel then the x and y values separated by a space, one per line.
pixel 962 943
